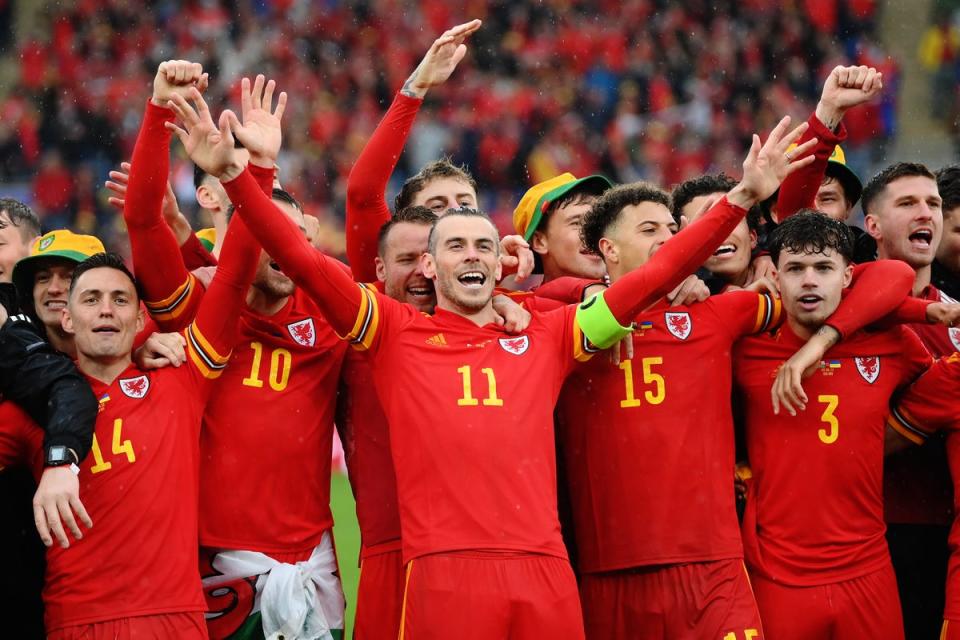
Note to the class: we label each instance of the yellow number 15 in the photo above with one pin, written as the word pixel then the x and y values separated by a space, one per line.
pixel 654 396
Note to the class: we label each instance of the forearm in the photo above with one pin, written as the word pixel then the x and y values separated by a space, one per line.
pixel 195 255
pixel 799 189
pixel 157 260
pixel 225 298
pixel 673 262
pixel 877 289
pixel 320 276
pixel 568 289
pixel 367 209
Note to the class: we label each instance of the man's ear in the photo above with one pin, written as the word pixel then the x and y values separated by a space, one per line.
pixel 872 225
pixel 428 266
pixel 66 321
pixel 141 320
pixel 753 239
pixel 206 197
pixel 381 269
pixel 608 251
pixel 847 275
pixel 538 242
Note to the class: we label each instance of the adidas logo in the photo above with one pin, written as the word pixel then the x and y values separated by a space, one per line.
pixel 437 341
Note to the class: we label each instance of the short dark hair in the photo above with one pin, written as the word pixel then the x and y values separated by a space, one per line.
pixel 107 260
pixel 408 215
pixel 948 184
pixel 464 212
pixel 606 210
pixel 583 193
pixel 809 231
pixel 20 216
pixel 686 191
pixel 897 170
pixel 442 168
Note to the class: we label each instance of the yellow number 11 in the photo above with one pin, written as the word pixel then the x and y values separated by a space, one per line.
pixel 468 400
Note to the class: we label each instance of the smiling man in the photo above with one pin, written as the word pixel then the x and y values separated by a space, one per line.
pixel 904 215
pixel 43 279
pixel 813 531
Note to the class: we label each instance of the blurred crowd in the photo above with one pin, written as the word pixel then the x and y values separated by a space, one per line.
pixel 635 89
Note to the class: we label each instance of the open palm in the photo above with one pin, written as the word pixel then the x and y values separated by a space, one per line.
pixel 210 147
pixel 260 131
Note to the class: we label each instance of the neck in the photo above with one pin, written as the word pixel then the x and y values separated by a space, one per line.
pixel 106 370
pixel 740 279
pixel 479 317
pixel 62 341
pixel 922 280
pixel 802 331
pixel 264 304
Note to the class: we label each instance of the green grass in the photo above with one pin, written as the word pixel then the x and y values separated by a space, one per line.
pixel 347 536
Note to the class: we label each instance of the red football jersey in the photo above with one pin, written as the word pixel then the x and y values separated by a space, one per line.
pixel 916 482
pixel 931 403
pixel 650 478
pixel 365 434
pixel 268 432
pixel 139 485
pixel 815 507
pixel 481 472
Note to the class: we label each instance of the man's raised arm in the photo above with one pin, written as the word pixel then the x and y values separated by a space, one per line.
pixel 763 170
pixel 168 287
pixel 367 208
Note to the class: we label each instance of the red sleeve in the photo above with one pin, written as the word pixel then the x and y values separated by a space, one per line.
pixel 675 260
pixel 168 288
pixel 367 208
pixel 213 334
pixel 799 189
pixel 568 290
pixel 930 403
pixel 19 436
pixel 745 312
pixel 877 289
pixel 330 286
pixel 195 255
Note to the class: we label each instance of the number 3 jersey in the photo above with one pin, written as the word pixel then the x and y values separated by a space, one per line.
pixel 814 511
pixel 649 443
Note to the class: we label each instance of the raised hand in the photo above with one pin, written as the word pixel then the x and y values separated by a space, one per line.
pixel 769 163
pixel 260 131
pixel 847 87
pixel 209 145
pixel 177 77
pixel 442 58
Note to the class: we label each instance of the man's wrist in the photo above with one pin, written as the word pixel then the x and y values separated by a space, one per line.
pixel 231 172
pixel 829 115
pixel 411 89
pixel 741 196
pixel 58 455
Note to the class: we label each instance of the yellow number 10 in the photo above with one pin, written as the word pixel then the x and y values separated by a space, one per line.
pixel 279 373
pixel 117 446
pixel 468 400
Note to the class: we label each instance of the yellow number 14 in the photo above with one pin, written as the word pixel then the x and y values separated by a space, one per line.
pixel 468 400
pixel 117 446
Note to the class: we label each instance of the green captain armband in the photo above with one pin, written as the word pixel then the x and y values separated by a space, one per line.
pixel 598 323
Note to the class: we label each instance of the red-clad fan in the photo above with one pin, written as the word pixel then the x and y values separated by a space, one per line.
pixel 813 529
pixel 251 522
pixel 473 450
pixel 134 573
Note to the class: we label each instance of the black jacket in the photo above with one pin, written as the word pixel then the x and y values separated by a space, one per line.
pixel 44 382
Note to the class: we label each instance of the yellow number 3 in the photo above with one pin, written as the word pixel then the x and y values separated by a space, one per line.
pixel 117 446
pixel 829 437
